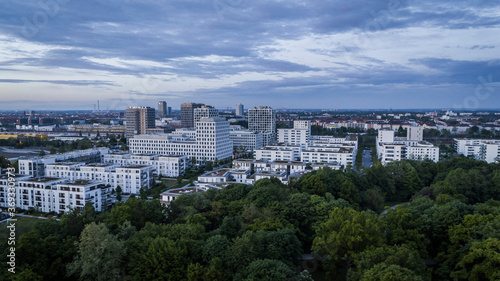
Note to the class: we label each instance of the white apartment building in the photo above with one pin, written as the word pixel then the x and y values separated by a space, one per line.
pixel 300 134
pixel 349 141
pixel 480 149
pixel 170 195
pixel 278 152
pixel 204 111
pixel 422 150
pixel 60 195
pixel 212 142
pixel 4 187
pixel 167 165
pixel 390 148
pixel 263 119
pixel 342 156
pixel 415 133
pixel 246 139
pixel 35 166
pixel 130 178
pixel 239 109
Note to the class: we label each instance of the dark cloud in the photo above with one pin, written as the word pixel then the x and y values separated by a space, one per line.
pixel 180 33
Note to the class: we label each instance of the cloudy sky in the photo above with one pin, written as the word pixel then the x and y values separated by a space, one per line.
pixel 67 54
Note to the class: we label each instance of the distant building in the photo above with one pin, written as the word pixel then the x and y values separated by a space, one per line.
pixel 187 114
pixel 169 111
pixel 212 142
pixel 263 119
pixel 204 111
pixel 415 133
pixel 139 119
pixel 239 110
pixel 162 109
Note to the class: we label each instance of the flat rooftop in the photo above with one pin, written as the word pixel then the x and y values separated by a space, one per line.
pixel 98 165
pixel 6 177
pixel 184 190
pixel 134 167
pixel 66 163
pixel 218 173
pixel 80 182
pixel 43 179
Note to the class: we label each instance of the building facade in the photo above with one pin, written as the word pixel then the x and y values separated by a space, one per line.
pixel 263 119
pixel 246 139
pixel 212 142
pixel 60 195
pixel 35 166
pixel 239 110
pixel 139 119
pixel 480 149
pixel 187 114
pixel 300 134
pixel 167 165
pixel 204 111
pixel 162 109
pixel 391 148
pixel 130 178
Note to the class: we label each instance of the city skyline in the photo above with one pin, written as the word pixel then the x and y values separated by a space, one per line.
pixel 359 55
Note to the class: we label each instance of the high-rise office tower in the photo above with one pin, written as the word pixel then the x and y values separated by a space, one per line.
pixel 204 111
pixel 187 114
pixel 138 120
pixel 263 119
pixel 169 111
pixel 239 109
pixel 162 108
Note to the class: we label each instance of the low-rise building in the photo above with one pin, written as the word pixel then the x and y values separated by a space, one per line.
pixel 481 149
pixel 245 139
pixel 391 148
pixel 165 165
pixel 131 178
pixel 58 195
pixel 278 152
pixel 170 195
pixel 35 166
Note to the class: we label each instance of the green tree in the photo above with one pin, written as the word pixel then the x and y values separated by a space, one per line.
pixel 345 234
pixel 313 185
pixel 402 256
pixel 119 193
pixel 373 199
pixel 482 262
pixel 99 255
pixel 27 275
pixel 215 247
pixel 393 272
pixel 265 270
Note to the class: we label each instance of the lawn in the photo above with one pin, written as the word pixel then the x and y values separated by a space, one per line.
pixel 23 225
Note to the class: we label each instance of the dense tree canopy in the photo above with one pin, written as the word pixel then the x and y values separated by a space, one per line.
pixel 409 220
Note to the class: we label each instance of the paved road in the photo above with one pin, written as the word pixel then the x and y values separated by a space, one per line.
pixel 367 158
